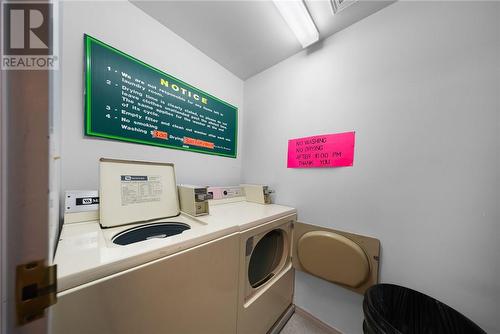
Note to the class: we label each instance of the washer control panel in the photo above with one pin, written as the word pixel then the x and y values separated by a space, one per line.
pixel 225 192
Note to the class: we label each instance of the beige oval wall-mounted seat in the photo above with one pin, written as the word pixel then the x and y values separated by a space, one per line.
pixel 333 257
pixel 347 259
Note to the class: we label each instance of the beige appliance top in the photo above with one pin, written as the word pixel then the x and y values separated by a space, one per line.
pixel 136 191
pixel 86 241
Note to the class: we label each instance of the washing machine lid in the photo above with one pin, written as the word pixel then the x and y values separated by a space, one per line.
pixel 136 191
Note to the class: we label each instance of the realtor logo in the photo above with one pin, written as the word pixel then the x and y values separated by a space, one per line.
pixel 27 36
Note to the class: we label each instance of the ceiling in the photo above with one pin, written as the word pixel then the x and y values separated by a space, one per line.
pixel 247 37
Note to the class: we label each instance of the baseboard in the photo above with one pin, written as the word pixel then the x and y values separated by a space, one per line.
pixel 316 321
pixel 278 326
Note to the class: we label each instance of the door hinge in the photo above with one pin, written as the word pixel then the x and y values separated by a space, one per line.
pixel 36 289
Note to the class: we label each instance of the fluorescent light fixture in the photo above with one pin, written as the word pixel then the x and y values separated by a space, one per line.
pixel 338 5
pixel 298 19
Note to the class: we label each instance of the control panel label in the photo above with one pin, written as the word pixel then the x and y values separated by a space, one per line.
pixel 140 189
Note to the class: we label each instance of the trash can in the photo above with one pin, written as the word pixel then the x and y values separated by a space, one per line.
pixel 393 309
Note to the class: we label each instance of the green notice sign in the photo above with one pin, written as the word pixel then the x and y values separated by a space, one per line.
pixel 128 100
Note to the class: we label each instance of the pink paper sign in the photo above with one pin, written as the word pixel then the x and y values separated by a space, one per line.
pixel 332 150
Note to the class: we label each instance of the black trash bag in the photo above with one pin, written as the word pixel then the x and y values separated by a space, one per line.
pixel 393 309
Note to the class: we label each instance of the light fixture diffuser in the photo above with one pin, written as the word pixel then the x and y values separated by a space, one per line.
pixel 339 5
pixel 299 20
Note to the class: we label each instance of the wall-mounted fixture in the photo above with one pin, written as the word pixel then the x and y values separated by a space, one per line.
pixel 339 5
pixel 299 20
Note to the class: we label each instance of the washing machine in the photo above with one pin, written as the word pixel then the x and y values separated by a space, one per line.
pixel 266 275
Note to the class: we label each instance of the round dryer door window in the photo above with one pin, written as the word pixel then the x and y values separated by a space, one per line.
pixel 266 258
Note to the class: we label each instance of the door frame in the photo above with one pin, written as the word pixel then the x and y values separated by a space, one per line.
pixel 25 184
pixel 29 175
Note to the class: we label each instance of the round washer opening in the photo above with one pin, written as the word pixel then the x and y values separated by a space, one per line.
pixel 266 256
pixel 150 231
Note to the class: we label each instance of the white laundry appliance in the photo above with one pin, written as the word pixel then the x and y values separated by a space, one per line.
pixel 142 266
pixel 266 278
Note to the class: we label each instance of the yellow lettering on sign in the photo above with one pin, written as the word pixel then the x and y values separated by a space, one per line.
pixel 164 82
pixel 184 91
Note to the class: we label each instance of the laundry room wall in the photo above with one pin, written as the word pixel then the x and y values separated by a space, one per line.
pixel 418 82
pixel 127 28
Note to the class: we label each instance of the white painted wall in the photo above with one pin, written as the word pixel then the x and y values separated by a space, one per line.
pixel 420 84
pixel 126 27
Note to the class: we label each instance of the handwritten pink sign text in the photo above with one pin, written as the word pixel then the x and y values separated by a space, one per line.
pixel 332 150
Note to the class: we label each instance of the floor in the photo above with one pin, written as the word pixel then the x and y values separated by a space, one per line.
pixel 301 325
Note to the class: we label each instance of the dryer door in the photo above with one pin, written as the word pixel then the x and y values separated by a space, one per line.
pixel 347 259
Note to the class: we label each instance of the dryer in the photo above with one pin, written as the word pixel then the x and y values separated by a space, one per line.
pixel 266 275
pixel 271 252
